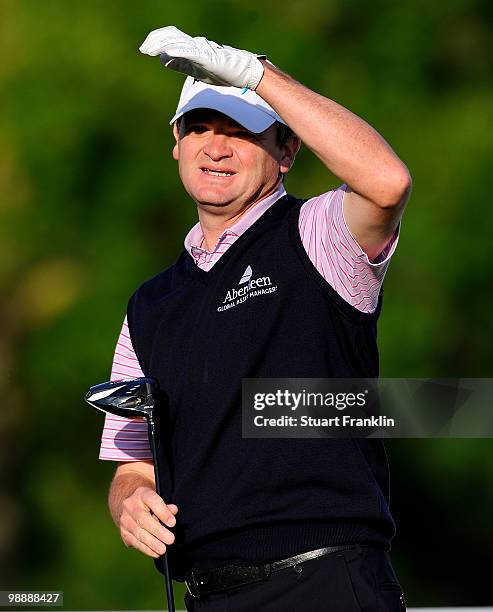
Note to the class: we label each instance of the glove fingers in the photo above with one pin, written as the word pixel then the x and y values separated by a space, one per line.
pixel 162 36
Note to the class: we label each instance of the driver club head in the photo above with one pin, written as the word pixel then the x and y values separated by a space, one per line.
pixel 126 398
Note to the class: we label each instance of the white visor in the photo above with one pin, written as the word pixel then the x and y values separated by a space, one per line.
pixel 243 106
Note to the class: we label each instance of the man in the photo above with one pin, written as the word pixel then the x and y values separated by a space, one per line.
pixel 261 524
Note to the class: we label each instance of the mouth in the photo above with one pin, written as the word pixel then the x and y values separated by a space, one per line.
pixel 220 173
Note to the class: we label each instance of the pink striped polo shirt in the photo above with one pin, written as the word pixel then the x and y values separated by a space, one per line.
pixel 333 251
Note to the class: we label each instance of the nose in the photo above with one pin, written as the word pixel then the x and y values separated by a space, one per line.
pixel 218 147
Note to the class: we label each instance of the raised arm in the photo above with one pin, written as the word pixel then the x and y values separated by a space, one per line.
pixel 379 182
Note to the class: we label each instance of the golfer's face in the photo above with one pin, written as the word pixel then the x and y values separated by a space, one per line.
pixel 223 164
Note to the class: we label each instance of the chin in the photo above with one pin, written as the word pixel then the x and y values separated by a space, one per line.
pixel 208 197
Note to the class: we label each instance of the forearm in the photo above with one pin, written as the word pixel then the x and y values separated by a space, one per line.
pixel 122 487
pixel 349 147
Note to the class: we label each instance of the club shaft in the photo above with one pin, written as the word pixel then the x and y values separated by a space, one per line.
pixel 167 577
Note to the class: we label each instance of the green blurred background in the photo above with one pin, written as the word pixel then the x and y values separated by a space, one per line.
pixel 91 205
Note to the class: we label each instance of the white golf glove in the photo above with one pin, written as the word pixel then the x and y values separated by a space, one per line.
pixel 204 59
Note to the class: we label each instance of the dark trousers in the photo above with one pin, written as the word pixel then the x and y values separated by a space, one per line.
pixel 355 580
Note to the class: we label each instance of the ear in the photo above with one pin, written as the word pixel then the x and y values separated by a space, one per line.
pixel 176 134
pixel 288 155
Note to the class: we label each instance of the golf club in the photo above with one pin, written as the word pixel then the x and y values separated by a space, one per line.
pixel 132 398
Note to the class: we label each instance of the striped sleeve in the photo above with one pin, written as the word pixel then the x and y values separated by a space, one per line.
pixel 336 254
pixel 125 439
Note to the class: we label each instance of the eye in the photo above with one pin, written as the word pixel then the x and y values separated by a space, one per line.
pixel 196 128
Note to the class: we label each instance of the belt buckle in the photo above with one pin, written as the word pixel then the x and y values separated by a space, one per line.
pixel 192 586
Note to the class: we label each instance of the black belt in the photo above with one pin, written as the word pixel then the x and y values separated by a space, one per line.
pixel 206 582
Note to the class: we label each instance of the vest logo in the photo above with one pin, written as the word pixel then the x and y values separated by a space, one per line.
pixel 247 275
pixel 252 287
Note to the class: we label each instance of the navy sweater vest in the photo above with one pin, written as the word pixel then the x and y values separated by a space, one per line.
pixel 263 310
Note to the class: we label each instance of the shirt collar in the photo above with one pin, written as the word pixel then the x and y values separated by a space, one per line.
pixel 195 236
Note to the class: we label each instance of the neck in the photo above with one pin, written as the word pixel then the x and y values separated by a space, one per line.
pixel 214 220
